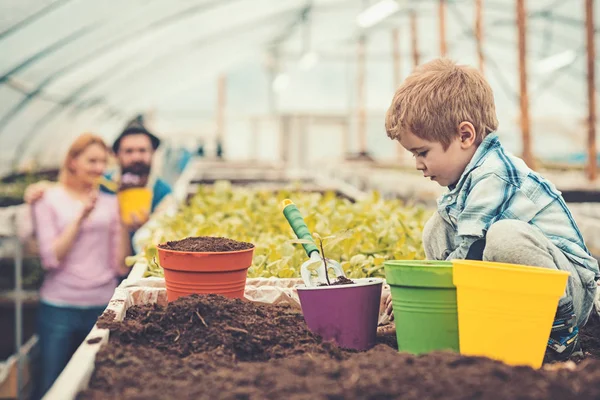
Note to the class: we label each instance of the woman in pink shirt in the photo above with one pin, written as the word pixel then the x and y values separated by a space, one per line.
pixel 80 238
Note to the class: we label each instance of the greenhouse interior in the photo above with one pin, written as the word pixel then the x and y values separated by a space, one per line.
pixel 299 199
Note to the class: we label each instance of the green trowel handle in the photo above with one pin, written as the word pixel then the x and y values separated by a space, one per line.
pixel 293 216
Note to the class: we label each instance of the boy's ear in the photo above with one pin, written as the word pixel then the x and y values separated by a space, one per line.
pixel 467 134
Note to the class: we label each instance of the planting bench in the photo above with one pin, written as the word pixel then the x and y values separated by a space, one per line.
pixel 136 290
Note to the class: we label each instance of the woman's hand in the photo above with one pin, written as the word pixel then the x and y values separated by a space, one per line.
pixel 88 204
pixel 35 191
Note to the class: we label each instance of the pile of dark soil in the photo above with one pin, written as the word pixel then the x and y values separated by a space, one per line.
pixel 199 324
pixel 380 373
pixel 590 337
pixel 209 347
pixel 206 244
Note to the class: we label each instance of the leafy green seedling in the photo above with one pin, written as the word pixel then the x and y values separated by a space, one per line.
pixel 328 242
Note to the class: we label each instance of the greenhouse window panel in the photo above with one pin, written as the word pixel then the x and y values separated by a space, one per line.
pixel 15 136
pixel 25 12
pixel 122 27
pixel 59 23
pixel 209 47
pixel 217 53
pixel 54 80
pixel 128 17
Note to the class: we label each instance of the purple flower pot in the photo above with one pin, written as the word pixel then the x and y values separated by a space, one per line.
pixel 347 314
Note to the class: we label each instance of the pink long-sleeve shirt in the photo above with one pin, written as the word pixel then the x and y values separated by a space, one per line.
pixel 86 277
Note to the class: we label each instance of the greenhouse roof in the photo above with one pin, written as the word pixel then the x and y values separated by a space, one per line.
pixel 74 65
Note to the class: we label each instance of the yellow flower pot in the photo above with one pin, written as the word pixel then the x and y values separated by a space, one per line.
pixel 134 201
pixel 505 311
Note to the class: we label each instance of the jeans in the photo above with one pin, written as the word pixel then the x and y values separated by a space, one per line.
pixel 517 242
pixel 61 330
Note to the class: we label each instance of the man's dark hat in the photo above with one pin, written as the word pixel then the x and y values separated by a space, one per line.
pixel 135 130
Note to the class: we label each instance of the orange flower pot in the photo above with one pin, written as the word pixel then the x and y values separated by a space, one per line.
pixel 189 273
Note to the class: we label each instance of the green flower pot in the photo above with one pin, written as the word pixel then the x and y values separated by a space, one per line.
pixel 424 303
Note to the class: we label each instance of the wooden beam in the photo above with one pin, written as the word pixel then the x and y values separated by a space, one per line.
pixel 442 20
pixel 303 145
pixel 592 166
pixel 346 138
pixel 524 98
pixel 414 37
pixel 396 56
pixel 221 104
pixel 285 128
pixel 479 33
pixel 361 109
pixel 397 76
pixel 255 128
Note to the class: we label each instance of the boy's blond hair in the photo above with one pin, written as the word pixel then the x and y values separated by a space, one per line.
pixel 439 95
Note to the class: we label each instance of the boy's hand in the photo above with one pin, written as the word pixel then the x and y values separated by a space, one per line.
pixel 388 307
pixel 386 312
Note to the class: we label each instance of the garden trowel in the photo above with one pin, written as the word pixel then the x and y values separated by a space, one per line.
pixel 315 263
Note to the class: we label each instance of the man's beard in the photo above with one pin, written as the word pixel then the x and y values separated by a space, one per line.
pixel 139 168
pixel 134 175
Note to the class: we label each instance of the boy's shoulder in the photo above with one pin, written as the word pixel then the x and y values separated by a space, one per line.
pixel 503 164
pixel 513 170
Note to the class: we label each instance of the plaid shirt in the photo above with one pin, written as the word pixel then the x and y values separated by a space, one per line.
pixel 496 185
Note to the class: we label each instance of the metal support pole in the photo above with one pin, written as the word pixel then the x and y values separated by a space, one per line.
pixel 272 101
pixel 361 111
pixel 396 56
pixel 284 141
pixel 442 20
pixel 272 71
pixel 414 37
pixel 19 312
pixel 221 102
pixel 303 122
pixel 524 99
pixel 255 126
pixel 479 32
pixel 396 63
pixel 591 85
pixel 346 138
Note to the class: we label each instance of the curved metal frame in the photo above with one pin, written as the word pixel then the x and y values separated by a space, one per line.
pixel 74 102
pixel 170 19
pixel 73 96
pixel 32 18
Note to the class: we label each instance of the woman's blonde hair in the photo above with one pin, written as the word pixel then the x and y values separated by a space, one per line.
pixel 439 95
pixel 78 146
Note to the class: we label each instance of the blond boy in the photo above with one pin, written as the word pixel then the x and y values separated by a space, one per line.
pixel 496 208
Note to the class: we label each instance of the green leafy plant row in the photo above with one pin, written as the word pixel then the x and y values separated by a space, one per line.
pixel 379 229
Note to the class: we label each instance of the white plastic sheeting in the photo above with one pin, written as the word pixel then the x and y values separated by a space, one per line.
pixel 68 66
